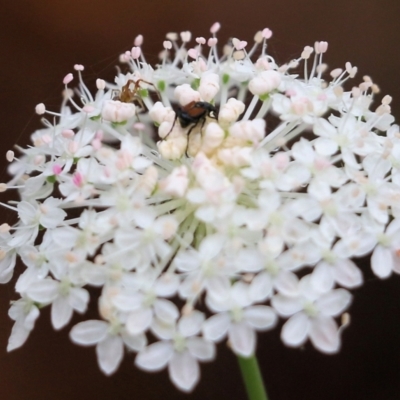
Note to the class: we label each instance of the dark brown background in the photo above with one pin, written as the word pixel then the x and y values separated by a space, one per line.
pixel 40 42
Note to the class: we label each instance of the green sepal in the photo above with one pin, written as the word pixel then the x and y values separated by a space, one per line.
pixel 225 78
pixel 195 84
pixel 116 124
pixel 51 179
pixel 143 93
pixel 161 86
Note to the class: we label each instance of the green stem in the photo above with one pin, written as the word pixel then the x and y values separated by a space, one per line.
pixel 252 378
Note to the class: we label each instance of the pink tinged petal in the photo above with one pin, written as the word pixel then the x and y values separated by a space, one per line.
pixel 52 218
pixel 324 129
pixel 211 246
pixel 128 301
pixel 334 302
pixel 162 330
pixel 109 354
pixel 167 285
pixel 302 151
pixel 242 339
pixel 7 265
pixel 31 318
pixel 139 321
pixel 187 261
pixel 393 227
pixel 206 213
pixel 18 336
pixel 184 371
pixel 26 279
pixel 216 327
pixel 23 237
pixel 95 275
pixel 286 306
pixel 26 212
pixel 382 262
pixel 322 277
pixel 324 335
pixel 295 330
pixel 260 288
pixel 240 294
pixel 196 196
pixel 201 349
pixel 65 237
pixel 287 283
pixel 191 324
pixel 367 242
pixel 260 317
pixel 396 261
pixel 43 291
pixel 347 273
pixel 61 312
pixel 78 299
pixel 166 311
pixel 134 342
pixel 325 147
pixel 155 357
pixel 249 260
pixel 191 286
pixel 219 288
pixel 89 332
pixel 377 211
pixel 145 218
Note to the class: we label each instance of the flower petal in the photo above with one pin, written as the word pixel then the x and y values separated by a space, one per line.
pixel 334 302
pixel 89 332
pixel 201 349
pixel 61 312
pixel 216 327
pixel 184 371
pixel 295 330
pixel 109 354
pixel 43 291
pixel 324 335
pixel 155 357
pixel 260 317
pixel 381 262
pixel 139 321
pixel 242 338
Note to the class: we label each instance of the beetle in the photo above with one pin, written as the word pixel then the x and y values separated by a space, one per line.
pixel 193 113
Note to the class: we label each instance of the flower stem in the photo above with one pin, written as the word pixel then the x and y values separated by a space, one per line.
pixel 252 378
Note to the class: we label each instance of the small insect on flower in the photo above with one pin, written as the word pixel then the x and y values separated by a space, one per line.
pixel 132 92
pixel 193 113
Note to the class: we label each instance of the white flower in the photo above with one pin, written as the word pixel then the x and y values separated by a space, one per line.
pixel 116 111
pixel 259 176
pixel 24 313
pixel 109 340
pixel 311 315
pixel 180 349
pixel 237 318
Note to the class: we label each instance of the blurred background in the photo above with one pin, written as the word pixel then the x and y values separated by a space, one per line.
pixel 41 40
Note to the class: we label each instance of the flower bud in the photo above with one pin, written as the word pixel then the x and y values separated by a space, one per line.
pixel 209 86
pixel 117 111
pixel 265 82
pixel 185 94
pixel 230 111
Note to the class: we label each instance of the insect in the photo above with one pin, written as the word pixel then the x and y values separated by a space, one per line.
pixel 129 93
pixel 193 113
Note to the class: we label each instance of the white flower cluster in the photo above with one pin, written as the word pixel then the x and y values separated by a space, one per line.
pixel 261 190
